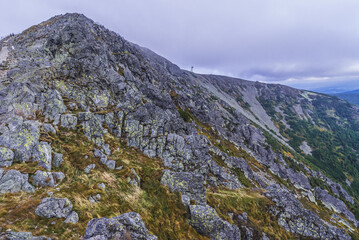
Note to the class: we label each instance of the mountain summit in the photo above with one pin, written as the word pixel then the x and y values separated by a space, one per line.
pixel 103 139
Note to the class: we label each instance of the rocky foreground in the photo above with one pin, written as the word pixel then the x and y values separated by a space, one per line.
pixel 103 139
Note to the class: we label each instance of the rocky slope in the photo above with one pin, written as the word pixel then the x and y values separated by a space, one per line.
pixel 103 139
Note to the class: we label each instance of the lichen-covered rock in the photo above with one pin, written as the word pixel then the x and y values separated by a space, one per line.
pixel 57 159
pixel 73 217
pixel 68 121
pixel 14 181
pixel 54 104
pixel 54 207
pixel 206 221
pixel 6 157
pixel 11 235
pixel 22 137
pixel 189 184
pixel 92 127
pixel 296 219
pixel 48 128
pixel 128 225
pixel 47 179
pixel 43 155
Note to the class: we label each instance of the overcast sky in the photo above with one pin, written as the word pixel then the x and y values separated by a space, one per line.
pixel 307 44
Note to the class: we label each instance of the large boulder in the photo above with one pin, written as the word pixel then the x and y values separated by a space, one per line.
pixel 14 181
pixel 22 137
pixel 125 226
pixel 54 207
pixel 6 157
pixel 189 184
pixel 205 220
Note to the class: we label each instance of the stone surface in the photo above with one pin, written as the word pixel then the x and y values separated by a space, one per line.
pixel 89 168
pixel 14 181
pixel 73 217
pixel 43 155
pixel 128 225
pixel 47 179
pixel 11 235
pixel 54 207
pixel 57 159
pixel 296 219
pixel 189 184
pixel 206 221
pixel 6 157
pixel 69 121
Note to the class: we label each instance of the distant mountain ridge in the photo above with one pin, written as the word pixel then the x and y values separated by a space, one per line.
pixel 350 96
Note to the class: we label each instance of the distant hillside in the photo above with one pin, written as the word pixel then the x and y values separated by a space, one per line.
pixel 352 96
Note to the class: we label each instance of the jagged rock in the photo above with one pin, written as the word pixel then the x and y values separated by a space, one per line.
pixel 50 179
pixel 299 180
pixel 54 207
pixel 89 167
pixel 42 154
pixel 128 225
pixel 69 121
pixel 57 159
pixel 47 127
pixel 14 181
pixel 54 104
pixel 22 137
pixel 6 157
pixel 92 127
pixel 10 235
pixel 73 217
pixel 333 203
pixel 296 219
pixel 206 221
pixel 189 184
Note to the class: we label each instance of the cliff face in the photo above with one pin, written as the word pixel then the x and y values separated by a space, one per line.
pixel 103 139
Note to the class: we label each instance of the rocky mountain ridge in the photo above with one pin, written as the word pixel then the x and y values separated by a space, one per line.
pixel 122 143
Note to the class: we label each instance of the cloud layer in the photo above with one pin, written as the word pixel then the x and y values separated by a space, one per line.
pixel 302 43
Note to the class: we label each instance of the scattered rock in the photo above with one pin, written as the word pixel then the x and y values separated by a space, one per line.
pixel 102 185
pixel 47 179
pixel 125 226
pixel 89 168
pixel 73 217
pixel 57 160
pixel 10 235
pixel 94 199
pixel 54 207
pixel 14 181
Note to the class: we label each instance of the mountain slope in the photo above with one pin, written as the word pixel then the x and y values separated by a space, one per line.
pixel 121 143
pixel 351 96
